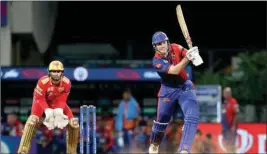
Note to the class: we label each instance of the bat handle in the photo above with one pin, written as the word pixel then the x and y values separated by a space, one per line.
pixel 189 42
pixel 190 46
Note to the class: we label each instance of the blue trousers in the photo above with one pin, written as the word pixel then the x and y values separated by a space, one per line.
pixel 185 96
pixel 171 99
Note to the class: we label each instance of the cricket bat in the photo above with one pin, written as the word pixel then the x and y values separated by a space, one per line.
pixel 183 26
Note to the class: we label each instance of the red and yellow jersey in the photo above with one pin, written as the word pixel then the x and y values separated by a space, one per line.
pixel 50 95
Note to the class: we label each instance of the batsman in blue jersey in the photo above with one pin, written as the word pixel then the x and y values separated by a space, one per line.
pixel 170 61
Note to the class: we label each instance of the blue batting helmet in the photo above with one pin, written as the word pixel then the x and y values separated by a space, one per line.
pixel 159 37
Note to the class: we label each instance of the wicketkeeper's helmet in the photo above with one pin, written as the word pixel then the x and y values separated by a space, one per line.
pixel 55 66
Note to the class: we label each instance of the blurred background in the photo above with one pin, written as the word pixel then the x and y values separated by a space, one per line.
pixel 106 48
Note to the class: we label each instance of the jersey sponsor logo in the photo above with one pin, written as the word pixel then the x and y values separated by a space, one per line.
pixel 165 61
pixel 50 89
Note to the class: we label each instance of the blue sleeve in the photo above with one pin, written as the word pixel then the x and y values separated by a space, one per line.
pixel 161 65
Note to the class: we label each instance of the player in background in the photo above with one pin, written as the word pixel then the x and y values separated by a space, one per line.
pixel 229 119
pixel 170 61
pixel 50 97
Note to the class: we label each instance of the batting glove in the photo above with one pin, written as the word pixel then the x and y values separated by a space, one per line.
pixel 193 55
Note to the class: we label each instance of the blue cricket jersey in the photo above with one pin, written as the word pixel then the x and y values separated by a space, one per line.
pixel 162 64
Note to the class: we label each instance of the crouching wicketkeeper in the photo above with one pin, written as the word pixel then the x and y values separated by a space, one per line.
pixel 50 97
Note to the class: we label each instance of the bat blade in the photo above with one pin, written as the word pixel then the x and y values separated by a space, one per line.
pixel 183 26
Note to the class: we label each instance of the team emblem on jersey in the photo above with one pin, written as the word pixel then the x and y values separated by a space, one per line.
pixel 60 89
pixel 50 89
